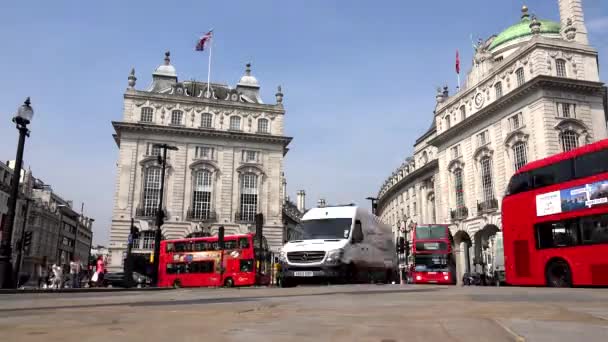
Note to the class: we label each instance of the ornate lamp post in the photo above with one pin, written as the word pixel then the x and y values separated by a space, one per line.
pixel 24 116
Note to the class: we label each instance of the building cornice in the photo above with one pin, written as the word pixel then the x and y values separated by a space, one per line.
pixel 408 179
pixel 543 81
pixel 201 101
pixel 120 126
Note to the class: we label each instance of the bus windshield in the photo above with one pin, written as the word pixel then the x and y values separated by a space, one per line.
pixel 334 228
pixel 430 232
pixel 433 262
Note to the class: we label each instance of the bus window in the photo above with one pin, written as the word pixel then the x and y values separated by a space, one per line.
pixel 595 229
pixel 246 265
pixel 243 243
pixel 519 183
pixel 557 234
pixel 230 244
pixel 170 247
pixel 591 164
pixel 552 174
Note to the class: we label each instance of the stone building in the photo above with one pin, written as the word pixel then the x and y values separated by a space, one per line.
pixel 228 166
pixel 533 91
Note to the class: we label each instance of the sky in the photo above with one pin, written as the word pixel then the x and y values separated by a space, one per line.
pixel 359 78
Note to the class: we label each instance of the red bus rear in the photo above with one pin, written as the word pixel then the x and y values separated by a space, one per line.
pixel 196 262
pixel 555 220
pixel 433 258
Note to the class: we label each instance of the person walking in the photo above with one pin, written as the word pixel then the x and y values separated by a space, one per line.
pixel 57 276
pixel 101 268
pixel 75 273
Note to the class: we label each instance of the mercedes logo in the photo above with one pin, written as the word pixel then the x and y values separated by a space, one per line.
pixel 305 256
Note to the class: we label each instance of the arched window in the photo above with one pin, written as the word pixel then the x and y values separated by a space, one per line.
pixel 520 154
pixel 235 123
pixel 463 112
pixel 425 158
pixel 521 79
pixel 486 179
pixel 263 126
pixel 147 114
pixel 206 120
pixel 151 194
pixel 498 90
pixel 447 122
pixel 458 188
pixel 569 140
pixel 176 117
pixel 201 195
pixel 249 197
pixel 560 67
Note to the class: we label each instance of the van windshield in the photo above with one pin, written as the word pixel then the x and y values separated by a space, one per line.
pixel 334 228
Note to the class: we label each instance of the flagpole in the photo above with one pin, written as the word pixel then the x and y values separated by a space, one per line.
pixel 457 74
pixel 209 66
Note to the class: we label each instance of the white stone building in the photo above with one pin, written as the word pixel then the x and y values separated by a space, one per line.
pixel 533 91
pixel 228 166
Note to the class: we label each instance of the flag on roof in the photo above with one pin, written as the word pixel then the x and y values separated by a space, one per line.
pixel 200 46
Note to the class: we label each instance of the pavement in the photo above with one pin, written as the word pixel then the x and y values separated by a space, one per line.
pixel 382 313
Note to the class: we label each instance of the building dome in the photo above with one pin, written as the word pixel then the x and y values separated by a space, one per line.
pixel 522 29
pixel 248 80
pixel 166 69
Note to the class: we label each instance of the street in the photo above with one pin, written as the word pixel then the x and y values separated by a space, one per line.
pixel 322 313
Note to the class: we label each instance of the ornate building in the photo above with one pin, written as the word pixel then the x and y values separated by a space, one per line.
pixel 533 91
pixel 228 166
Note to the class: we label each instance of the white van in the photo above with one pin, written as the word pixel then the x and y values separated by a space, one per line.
pixel 343 244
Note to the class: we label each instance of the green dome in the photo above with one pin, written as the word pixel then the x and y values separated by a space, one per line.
pixel 522 29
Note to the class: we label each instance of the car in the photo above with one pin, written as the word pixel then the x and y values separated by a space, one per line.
pixel 117 279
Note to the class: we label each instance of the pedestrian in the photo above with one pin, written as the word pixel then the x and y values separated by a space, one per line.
pixel 75 273
pixel 57 276
pixel 100 270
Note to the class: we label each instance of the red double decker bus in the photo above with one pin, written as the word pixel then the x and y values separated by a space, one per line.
pixel 433 258
pixel 555 220
pixel 195 262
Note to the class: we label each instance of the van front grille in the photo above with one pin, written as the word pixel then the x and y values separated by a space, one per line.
pixel 305 257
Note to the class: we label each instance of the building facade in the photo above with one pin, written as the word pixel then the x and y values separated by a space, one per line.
pixel 228 166
pixel 533 91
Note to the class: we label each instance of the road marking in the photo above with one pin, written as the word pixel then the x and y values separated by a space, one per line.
pixel 516 336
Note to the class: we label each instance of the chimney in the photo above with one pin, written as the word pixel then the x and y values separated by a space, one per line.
pixel 321 203
pixel 301 200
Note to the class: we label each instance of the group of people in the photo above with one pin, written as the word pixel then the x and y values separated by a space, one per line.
pixel 74 275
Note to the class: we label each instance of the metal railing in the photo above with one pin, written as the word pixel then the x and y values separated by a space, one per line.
pixel 148 212
pixel 244 217
pixel 201 215
pixel 486 206
pixel 459 213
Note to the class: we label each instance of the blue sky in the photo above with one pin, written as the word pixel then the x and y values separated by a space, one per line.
pixel 359 78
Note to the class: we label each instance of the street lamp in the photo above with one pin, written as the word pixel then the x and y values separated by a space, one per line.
pixel 374 204
pixel 159 212
pixel 24 116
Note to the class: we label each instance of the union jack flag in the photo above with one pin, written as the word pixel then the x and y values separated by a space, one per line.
pixel 200 45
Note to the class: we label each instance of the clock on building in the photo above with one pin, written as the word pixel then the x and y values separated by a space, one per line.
pixel 479 99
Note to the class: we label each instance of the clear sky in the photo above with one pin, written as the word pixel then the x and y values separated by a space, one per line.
pixel 359 78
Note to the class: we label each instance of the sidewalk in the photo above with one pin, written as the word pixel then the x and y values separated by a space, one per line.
pixel 81 290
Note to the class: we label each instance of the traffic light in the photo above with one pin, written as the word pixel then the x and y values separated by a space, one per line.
pixel 220 237
pixel 401 245
pixel 134 232
pixel 27 239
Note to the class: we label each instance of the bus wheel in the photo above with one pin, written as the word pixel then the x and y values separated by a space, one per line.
pixel 177 284
pixel 228 282
pixel 558 274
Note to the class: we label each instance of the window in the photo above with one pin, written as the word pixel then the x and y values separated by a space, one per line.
pixel 591 164
pixel 201 195
pixel 569 140
pixel 586 230
pixel 243 243
pixel 482 138
pixel 566 110
pixel 148 240
pixel 176 117
pixel 594 229
pixel 556 173
pixel 235 123
pixel 486 179
pixel 463 112
pixel 447 122
pixel 151 190
pixel 147 114
pixel 521 79
pixel 414 207
pixel 203 152
pixel 455 151
pixel 250 156
pixel 520 154
pixel 206 120
pixel 249 197
pixel 246 265
pixel 560 67
pixel 152 150
pixel 516 121
pixel 458 188
pixel 498 90
pixel 263 126
pixel 498 59
pixel 192 267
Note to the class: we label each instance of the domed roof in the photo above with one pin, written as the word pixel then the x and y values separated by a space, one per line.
pixel 166 69
pixel 522 29
pixel 248 80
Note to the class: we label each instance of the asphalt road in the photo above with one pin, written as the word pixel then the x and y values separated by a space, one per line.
pixel 326 313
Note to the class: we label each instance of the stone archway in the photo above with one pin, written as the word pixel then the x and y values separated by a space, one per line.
pixel 462 247
pixel 482 246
